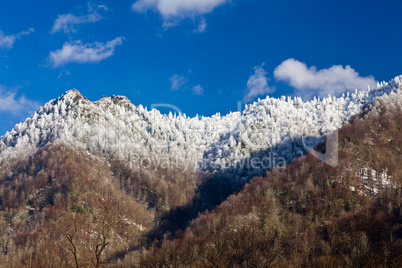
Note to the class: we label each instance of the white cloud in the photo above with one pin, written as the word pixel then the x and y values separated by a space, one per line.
pixel 64 72
pixel 201 26
pixel 178 8
pixel 309 82
pixel 68 21
pixel 257 84
pixel 198 90
pixel 84 53
pixel 11 104
pixel 177 81
pixel 7 41
pixel 101 7
pixel 174 10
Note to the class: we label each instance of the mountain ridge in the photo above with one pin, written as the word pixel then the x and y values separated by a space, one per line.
pixel 115 127
pixel 76 191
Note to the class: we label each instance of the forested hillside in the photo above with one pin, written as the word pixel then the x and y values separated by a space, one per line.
pixel 307 214
pixel 68 198
pixel 115 128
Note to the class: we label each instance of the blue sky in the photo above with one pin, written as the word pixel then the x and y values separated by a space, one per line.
pixel 203 56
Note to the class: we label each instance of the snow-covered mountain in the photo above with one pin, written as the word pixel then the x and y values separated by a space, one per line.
pixel 270 130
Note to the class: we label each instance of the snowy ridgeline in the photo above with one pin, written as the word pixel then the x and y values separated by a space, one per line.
pixel 270 130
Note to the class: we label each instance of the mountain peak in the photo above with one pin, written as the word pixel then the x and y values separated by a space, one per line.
pixel 115 99
pixel 73 94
